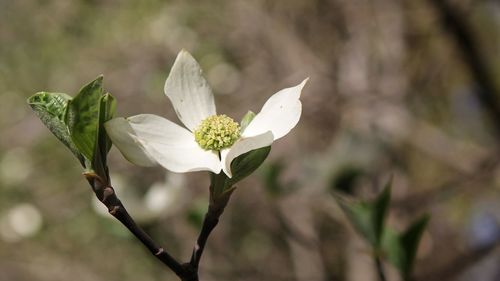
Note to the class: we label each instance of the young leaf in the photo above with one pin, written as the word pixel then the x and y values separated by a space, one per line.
pixel 106 113
pixel 242 166
pixel 107 105
pixel 245 121
pixel 401 248
pixel 247 163
pixel 83 117
pixel 51 108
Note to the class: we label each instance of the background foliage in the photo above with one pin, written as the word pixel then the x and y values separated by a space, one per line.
pixel 391 92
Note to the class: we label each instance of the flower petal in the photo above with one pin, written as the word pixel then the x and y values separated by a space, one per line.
pixel 243 146
pixel 189 92
pixel 122 135
pixel 280 113
pixel 171 146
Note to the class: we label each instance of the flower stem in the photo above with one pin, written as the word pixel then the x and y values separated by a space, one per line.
pixel 218 201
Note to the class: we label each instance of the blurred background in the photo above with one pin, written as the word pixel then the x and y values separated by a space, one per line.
pixel 401 88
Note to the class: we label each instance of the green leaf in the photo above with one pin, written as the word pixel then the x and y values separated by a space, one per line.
pixel 392 248
pixel 245 164
pixel 401 248
pixel 51 108
pixel 360 216
pixel 79 122
pixel 368 217
pixel 245 121
pixel 345 179
pixel 83 117
pixel 107 106
pixel 242 166
pixel 410 240
pixel 380 207
pixel 106 113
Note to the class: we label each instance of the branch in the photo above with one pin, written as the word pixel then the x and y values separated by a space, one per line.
pixel 210 221
pixel 460 263
pixel 420 200
pixel 106 194
pixel 186 271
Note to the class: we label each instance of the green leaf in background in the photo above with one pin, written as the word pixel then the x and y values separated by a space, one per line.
pixel 345 179
pixel 83 117
pixel 51 108
pixel 401 248
pixel 368 217
pixel 380 207
pixel 411 239
pixel 274 184
pixel 360 215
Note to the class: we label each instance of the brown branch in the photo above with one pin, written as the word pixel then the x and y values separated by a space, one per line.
pixel 209 223
pixel 106 194
pixel 484 171
pixel 186 271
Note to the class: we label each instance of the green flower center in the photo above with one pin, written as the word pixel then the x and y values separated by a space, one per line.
pixel 217 132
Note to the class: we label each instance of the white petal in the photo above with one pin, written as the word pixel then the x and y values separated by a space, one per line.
pixel 189 92
pixel 172 146
pixel 123 137
pixel 243 146
pixel 280 113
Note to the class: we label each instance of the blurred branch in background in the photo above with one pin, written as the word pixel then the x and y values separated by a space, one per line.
pixel 456 22
pixel 456 267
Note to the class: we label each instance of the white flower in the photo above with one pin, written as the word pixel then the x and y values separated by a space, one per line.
pixel 148 139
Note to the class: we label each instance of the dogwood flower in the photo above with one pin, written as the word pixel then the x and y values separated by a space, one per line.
pixel 210 142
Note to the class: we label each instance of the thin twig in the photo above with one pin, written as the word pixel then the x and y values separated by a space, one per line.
pixel 218 201
pixel 186 271
pixel 452 269
pixel 209 223
pixel 108 197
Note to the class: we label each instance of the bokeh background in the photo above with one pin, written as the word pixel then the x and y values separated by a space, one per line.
pixel 402 88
